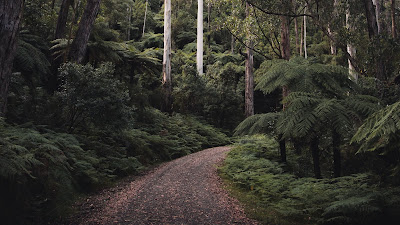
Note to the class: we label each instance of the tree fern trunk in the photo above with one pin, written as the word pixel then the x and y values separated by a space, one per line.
pixel 79 45
pixel 10 17
pixel 336 154
pixel 282 148
pixel 315 155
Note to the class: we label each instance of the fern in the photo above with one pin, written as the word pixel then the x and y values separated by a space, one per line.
pixel 380 130
pixel 257 124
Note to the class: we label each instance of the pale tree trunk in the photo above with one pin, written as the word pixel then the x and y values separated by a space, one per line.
pixel 305 33
pixel 10 17
pixel 129 19
pixel 285 51
pixel 62 19
pixel 301 38
pixel 79 45
pixel 377 14
pixel 200 44
pixel 393 17
pixel 350 48
pixel 145 16
pixel 249 78
pixel 373 32
pixel 167 81
pixel 331 33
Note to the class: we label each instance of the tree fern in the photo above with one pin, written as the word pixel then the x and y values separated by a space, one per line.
pixel 258 124
pixel 380 130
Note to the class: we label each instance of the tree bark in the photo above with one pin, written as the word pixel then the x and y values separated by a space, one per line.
pixel 350 48
pixel 62 19
pixel 301 38
pixel 305 33
pixel 393 17
pixel 315 155
pixel 200 42
pixel 144 20
pixel 373 32
pixel 249 78
pixel 377 14
pixel 296 32
pixel 10 17
pixel 336 154
pixel 79 45
pixel 167 81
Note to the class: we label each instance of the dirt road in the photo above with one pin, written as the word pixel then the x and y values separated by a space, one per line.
pixel 184 191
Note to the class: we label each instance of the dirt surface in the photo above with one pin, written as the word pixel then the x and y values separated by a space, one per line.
pixel 184 191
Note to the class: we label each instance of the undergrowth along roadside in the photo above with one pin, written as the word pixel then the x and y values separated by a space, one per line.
pixel 42 171
pixel 273 195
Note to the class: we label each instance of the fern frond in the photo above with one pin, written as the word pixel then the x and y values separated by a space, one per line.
pixel 259 123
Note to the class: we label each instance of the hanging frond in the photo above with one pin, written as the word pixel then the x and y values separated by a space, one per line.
pixel 256 124
pixel 380 130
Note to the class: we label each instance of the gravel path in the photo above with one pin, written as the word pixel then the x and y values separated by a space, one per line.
pixel 184 191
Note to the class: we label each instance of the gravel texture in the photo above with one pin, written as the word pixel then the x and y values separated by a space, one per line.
pixel 184 191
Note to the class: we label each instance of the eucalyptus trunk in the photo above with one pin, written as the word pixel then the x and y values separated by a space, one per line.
pixel 79 45
pixel 393 17
pixel 350 48
pixel 62 19
pixel 305 33
pixel 200 42
pixel 167 80
pixel 10 17
pixel 145 17
pixel 249 77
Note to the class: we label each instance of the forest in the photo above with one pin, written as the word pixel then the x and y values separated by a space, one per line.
pixel 306 92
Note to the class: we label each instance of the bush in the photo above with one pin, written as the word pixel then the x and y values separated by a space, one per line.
pixel 355 199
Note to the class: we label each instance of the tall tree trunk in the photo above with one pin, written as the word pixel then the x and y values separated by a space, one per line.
pixel 200 42
pixel 10 17
pixel 129 20
pixel 350 48
pixel 393 17
pixel 315 155
pixel 305 33
pixel 377 14
pixel 374 37
pixel 332 43
pixel 79 45
pixel 145 17
pixel 249 79
pixel 167 80
pixel 336 154
pixel 209 26
pixel 62 19
pixel 301 38
pixel 296 32
pixel 285 51
pixel 335 14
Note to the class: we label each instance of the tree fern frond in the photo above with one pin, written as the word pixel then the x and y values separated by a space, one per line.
pixel 259 123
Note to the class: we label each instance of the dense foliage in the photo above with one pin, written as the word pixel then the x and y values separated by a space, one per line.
pixel 280 197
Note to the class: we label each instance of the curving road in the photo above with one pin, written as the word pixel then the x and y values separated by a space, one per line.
pixel 184 191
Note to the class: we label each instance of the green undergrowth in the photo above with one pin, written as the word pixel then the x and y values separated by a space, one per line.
pixel 275 196
pixel 43 171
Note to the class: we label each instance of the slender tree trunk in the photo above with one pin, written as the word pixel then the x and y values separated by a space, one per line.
pixel 296 32
pixel 305 33
pixel 249 78
pixel 167 80
pixel 145 16
pixel 79 45
pixel 10 17
pixel 350 48
pixel 285 51
pixel 333 46
pixel 209 26
pixel 336 154
pixel 301 38
pixel 393 17
pixel 129 20
pixel 200 42
pixel 377 14
pixel 315 155
pixel 62 19
pixel 373 32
